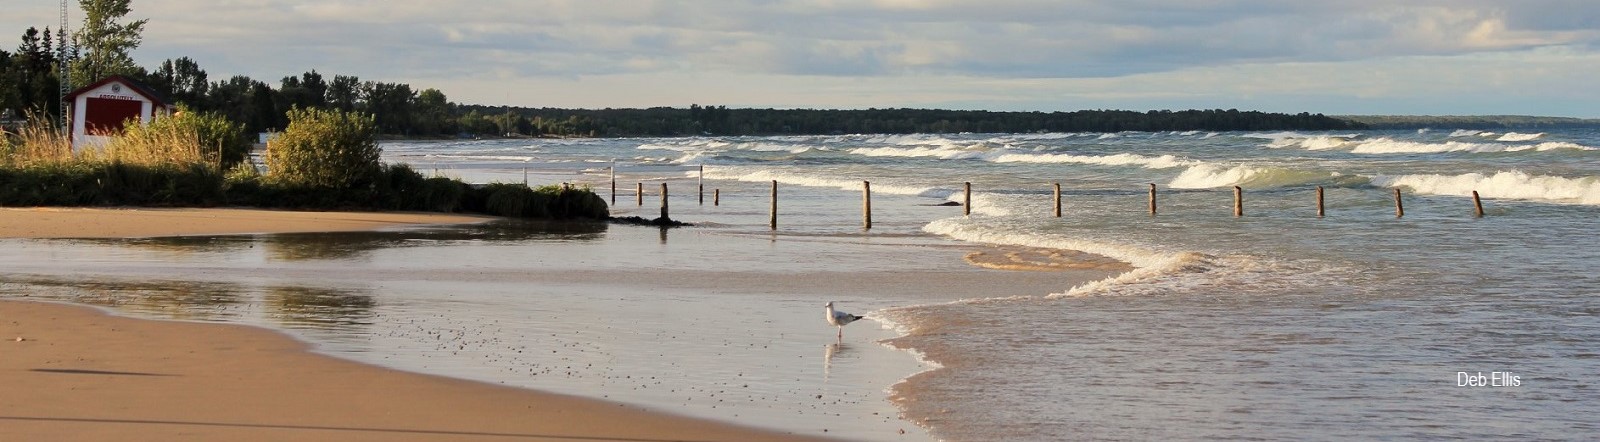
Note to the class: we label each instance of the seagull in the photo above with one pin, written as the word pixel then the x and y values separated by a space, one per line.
pixel 840 319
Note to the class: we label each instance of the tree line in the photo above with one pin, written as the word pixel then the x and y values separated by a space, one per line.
pixel 30 82
pixel 720 120
pixel 1485 122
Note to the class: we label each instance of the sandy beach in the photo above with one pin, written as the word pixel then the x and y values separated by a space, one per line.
pixel 76 373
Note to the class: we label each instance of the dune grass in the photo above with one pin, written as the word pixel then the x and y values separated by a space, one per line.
pixel 193 160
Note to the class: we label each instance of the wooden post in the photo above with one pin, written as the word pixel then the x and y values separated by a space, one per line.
pixel 702 180
pixel 1399 207
pixel 866 205
pixel 613 183
pixel 639 194
pixel 1477 205
pixel 966 206
pixel 1321 211
pixel 716 197
pixel 664 202
pixel 1058 200
pixel 1152 199
pixel 1238 201
pixel 773 222
pixel 524 176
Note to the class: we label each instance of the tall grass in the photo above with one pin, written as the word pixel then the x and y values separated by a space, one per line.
pixel 39 141
pixel 165 141
pixel 184 139
pixel 328 160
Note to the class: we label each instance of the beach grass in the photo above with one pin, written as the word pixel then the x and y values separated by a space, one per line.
pixel 326 160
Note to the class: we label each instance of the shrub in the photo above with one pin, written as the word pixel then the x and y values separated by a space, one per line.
pixel 221 140
pixel 550 202
pixel 328 149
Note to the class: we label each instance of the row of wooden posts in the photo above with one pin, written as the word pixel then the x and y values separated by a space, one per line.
pixel 866 201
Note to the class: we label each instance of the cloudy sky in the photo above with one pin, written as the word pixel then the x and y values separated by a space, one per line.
pixel 1531 57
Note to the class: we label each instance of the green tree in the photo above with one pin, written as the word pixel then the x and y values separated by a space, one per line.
pixel 10 99
pixel 105 42
pixel 33 76
pixel 344 93
pixel 240 98
pixel 391 104
pixel 432 111
pixel 328 149
pixel 182 80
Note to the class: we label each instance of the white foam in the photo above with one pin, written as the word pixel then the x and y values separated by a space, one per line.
pixel 1209 176
pixel 1465 133
pixel 481 157
pixel 1154 271
pixel 963 230
pixel 696 158
pixel 984 204
pixel 1121 159
pixel 943 153
pixel 1560 145
pixel 812 180
pixel 1308 142
pixel 1391 146
pixel 1008 156
pixel 1513 136
pixel 1505 184
pixel 1287 135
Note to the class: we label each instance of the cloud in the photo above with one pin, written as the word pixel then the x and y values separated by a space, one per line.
pixel 1016 38
pixel 831 44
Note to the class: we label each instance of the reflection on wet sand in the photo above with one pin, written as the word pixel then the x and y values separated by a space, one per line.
pixel 185 300
pixel 306 307
pixel 290 306
pixel 834 350
pixel 353 245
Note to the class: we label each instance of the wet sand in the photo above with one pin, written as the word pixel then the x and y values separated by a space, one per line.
pixel 74 373
pixel 623 297
pixel 54 222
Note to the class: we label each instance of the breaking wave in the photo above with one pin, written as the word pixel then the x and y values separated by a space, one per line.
pixel 811 180
pixel 1008 156
pixel 1513 136
pixel 1505 184
pixel 1382 146
pixel 1208 176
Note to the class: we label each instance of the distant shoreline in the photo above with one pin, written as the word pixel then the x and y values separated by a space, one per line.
pixel 1361 122
pixel 1470 121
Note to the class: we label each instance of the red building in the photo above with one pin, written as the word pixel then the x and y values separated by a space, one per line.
pixel 101 109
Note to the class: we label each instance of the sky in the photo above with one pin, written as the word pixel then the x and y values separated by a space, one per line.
pixel 1392 57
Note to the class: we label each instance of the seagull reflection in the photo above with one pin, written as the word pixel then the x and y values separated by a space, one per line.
pixel 828 353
